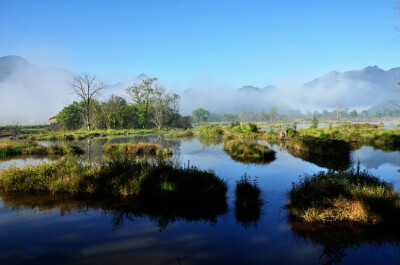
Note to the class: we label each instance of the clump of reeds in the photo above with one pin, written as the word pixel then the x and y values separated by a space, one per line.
pixel 248 201
pixel 248 151
pixel 351 195
pixel 320 146
pixel 209 131
pixel 130 150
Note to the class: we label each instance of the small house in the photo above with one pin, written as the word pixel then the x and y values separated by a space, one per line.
pixel 53 120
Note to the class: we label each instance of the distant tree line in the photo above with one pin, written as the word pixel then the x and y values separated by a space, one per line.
pixel 147 105
pixel 338 112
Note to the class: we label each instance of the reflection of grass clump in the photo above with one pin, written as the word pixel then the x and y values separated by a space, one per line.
pixel 129 150
pixel 248 151
pixel 179 133
pixel 344 196
pixel 159 180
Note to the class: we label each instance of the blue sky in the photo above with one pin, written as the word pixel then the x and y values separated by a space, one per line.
pixel 230 42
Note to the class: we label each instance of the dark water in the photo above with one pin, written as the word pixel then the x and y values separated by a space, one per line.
pixel 64 230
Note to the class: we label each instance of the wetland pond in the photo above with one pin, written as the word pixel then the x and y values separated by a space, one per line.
pixel 63 229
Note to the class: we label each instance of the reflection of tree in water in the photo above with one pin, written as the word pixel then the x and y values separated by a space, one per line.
pixel 94 146
pixel 335 239
pixel 248 216
pixel 210 141
pixel 119 209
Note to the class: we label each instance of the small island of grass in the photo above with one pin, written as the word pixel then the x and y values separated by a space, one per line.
pixel 352 196
pixel 250 152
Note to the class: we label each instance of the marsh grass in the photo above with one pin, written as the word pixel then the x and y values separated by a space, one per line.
pixel 209 130
pixel 179 133
pixel 250 152
pixel 242 131
pixel 340 196
pixel 131 150
pixel 248 201
pixel 319 146
pixel 33 148
pixel 157 180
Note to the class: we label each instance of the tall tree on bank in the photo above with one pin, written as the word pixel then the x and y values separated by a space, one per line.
pixel 87 87
pixel 141 95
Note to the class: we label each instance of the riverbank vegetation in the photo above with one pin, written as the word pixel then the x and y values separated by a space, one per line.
pixel 340 196
pixel 157 180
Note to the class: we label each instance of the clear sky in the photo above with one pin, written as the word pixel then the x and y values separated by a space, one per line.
pixel 231 42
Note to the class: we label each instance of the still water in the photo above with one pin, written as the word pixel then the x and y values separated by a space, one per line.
pixel 64 230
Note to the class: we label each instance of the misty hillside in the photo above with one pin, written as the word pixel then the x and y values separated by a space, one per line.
pixel 384 107
pixel 30 94
pixel 358 88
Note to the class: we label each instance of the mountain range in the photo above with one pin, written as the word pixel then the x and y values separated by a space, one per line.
pixel 31 94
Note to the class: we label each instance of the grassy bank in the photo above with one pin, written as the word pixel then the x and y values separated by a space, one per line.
pixel 157 180
pixel 344 196
pixel 249 151
pixel 323 147
pixel 33 148
pixel 212 131
pixel 130 150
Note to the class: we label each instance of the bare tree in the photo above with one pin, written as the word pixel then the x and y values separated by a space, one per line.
pixel 15 129
pixel 338 108
pixel 87 87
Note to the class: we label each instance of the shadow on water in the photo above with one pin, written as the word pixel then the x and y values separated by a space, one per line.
pixel 120 209
pixel 337 239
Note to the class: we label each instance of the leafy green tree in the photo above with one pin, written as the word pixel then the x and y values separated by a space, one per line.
pixel 353 114
pixel 142 94
pixel 70 117
pixel 200 115
pixel 273 114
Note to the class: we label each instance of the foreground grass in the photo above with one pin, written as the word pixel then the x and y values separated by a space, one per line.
pixel 344 196
pixel 159 180
pixel 130 150
pixel 33 148
pixel 249 151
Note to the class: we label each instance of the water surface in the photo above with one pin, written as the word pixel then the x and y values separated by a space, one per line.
pixel 48 229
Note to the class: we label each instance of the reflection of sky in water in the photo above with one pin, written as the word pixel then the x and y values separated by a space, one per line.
pixel 88 237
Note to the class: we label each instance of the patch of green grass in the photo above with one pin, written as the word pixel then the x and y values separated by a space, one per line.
pixel 320 146
pixel 249 151
pixel 179 133
pixel 350 195
pixel 158 180
pixel 209 131
pixel 33 148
